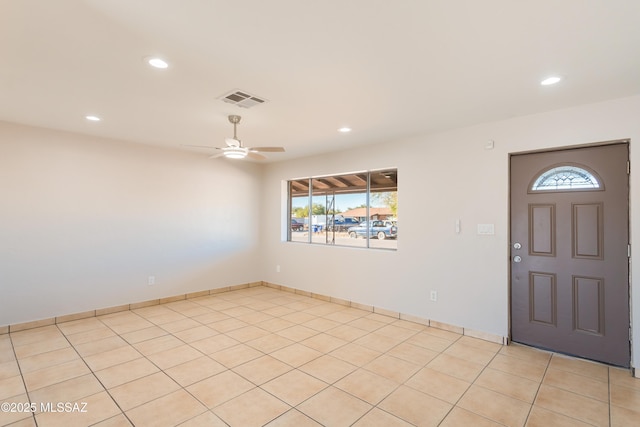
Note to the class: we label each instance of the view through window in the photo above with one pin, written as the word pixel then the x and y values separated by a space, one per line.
pixel 356 209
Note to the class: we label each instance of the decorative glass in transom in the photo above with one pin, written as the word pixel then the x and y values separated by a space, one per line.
pixel 566 177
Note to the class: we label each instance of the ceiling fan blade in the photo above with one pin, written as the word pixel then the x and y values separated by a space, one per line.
pixel 216 155
pixel 197 146
pixel 267 149
pixel 255 156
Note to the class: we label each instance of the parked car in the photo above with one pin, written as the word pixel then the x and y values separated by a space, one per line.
pixel 342 224
pixel 380 229
pixel 297 224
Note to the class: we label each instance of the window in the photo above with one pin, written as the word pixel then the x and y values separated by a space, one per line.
pixel 356 209
pixel 568 177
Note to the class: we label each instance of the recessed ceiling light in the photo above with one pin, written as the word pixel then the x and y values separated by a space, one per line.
pixel 157 62
pixel 344 129
pixel 93 118
pixel 550 81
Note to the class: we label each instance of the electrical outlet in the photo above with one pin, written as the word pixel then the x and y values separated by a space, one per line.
pixel 278 268
pixel 434 295
pixel 151 280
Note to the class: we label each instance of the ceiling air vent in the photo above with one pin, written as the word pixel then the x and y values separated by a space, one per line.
pixel 242 99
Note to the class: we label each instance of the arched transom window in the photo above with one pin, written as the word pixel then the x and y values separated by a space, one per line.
pixel 567 177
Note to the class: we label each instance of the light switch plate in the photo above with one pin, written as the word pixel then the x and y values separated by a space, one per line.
pixel 486 229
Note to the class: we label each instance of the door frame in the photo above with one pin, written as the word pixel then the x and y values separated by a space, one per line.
pixel 509 242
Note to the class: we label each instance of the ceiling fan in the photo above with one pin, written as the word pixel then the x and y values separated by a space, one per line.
pixel 235 149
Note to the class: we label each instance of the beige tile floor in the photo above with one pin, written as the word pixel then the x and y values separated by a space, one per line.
pixel 260 356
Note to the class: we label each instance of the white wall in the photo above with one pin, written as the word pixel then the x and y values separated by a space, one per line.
pixel 85 221
pixel 442 178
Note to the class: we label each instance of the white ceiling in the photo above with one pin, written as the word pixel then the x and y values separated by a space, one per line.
pixel 388 69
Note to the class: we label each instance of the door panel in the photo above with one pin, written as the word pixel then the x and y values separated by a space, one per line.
pixel 569 269
pixel 587 230
pixel 542 233
pixel 588 304
pixel 542 295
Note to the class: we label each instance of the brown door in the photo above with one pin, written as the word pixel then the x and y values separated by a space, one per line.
pixel 569 252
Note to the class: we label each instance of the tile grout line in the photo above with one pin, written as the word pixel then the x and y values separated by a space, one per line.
pixel 535 397
pixel 329 385
pixel 257 386
pixel 294 368
pixel 142 356
pixel 94 374
pixel 162 370
pixel 227 369
pixel 455 405
pixel 609 404
pixel 24 384
pixel 403 383
pixel 376 406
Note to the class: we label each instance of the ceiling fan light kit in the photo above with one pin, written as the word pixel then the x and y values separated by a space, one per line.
pixel 235 152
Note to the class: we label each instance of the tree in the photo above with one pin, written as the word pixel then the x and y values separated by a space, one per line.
pixel 300 212
pixel 388 199
pixel 303 212
pixel 318 209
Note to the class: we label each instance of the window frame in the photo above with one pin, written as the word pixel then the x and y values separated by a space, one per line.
pixel 329 197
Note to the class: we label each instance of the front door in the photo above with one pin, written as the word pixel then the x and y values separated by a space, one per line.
pixel 569 252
